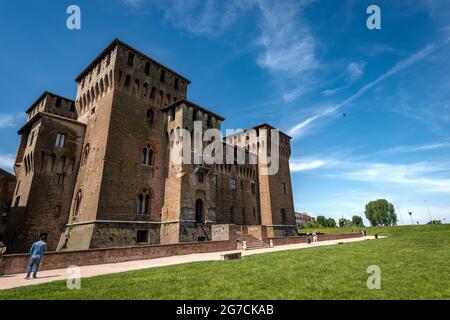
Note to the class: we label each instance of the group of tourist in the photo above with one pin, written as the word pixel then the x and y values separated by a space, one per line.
pixel 36 253
pixel 311 237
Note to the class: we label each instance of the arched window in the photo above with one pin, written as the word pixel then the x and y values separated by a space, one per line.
pixel 144 203
pixel 135 91
pixel 86 151
pixel 127 81
pixel 199 211
pixel 147 156
pixel 150 117
pixel 77 206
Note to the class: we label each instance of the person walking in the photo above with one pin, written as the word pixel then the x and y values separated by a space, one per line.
pixel 2 252
pixel 314 236
pixel 36 252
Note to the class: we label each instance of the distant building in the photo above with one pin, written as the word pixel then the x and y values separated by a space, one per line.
pixel 302 218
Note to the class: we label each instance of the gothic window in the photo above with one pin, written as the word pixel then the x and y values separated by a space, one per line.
pixel 77 205
pixel 143 203
pixel 147 68
pixel 60 140
pixel 253 188
pixel 147 156
pixel 233 184
pixel 86 151
pixel 162 76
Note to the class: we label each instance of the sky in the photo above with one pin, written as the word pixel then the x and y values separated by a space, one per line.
pixel 368 110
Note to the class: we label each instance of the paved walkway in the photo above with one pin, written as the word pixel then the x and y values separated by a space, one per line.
pixel 17 280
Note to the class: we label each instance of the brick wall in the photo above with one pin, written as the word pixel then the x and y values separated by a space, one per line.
pixel 17 263
pixel 302 239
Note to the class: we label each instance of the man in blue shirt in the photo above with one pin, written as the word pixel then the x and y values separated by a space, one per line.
pixel 36 252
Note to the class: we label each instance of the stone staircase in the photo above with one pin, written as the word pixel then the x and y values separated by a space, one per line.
pixel 251 242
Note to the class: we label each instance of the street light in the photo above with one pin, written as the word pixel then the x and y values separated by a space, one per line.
pixel 429 212
pixel 410 214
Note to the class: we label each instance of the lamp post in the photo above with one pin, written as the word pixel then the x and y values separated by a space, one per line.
pixel 410 214
pixel 429 212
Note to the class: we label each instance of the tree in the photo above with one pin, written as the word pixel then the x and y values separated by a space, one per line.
pixel 321 220
pixel 344 222
pixel 381 213
pixel 357 221
pixel 331 223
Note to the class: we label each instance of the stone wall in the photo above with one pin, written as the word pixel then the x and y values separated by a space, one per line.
pixel 17 263
pixel 302 239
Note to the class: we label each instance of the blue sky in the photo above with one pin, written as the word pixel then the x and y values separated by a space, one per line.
pixel 297 64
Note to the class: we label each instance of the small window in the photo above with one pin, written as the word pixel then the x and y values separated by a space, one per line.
pixel 142 236
pixel 194 115
pixel 86 151
pixel 209 121
pixel 77 207
pixel 176 84
pixel 283 215
pixel 216 181
pixel 58 102
pixel 162 76
pixel 232 215
pixel 57 211
pixel 99 67
pixel 150 117
pixel 60 178
pixel 253 188
pixel 147 68
pixel 284 187
pixel 130 59
pixel 16 204
pixel 60 140
pixel 200 177
pixel 233 184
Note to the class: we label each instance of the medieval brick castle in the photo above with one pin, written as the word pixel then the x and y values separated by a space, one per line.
pixel 96 173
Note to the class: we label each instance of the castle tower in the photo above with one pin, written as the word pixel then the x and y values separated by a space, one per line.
pixel 119 190
pixel 276 200
pixel 190 190
pixel 46 168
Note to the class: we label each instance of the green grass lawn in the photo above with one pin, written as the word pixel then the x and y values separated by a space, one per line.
pixel 414 262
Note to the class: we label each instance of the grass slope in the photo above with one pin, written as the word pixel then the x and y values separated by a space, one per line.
pixel 414 264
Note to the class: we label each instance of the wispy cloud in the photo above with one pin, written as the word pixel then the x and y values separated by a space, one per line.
pixel 299 166
pixel 427 176
pixel 9 120
pixel 7 161
pixel 285 42
pixel 301 127
pixel 355 70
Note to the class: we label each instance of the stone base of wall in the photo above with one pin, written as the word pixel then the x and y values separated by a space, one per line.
pixel 280 241
pixel 17 263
